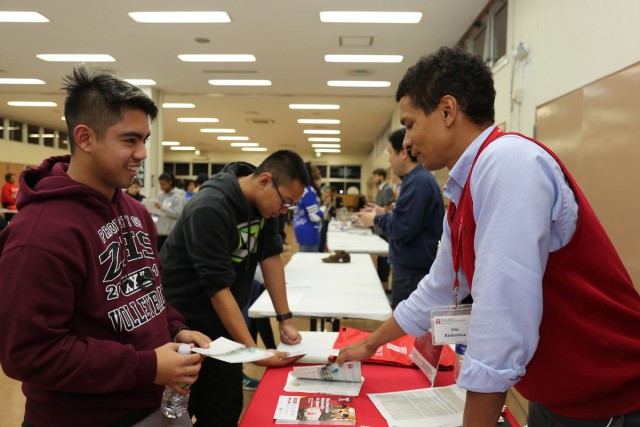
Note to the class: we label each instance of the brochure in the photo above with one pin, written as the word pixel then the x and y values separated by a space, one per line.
pixel 232 352
pixel 326 379
pixel 326 410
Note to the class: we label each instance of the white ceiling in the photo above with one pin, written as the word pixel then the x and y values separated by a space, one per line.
pixel 286 37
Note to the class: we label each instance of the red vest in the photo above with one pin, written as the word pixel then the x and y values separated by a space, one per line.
pixel 587 363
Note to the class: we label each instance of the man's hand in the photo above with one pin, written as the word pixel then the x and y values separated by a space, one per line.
pixel 279 359
pixel 360 350
pixel 198 339
pixel 364 219
pixel 288 333
pixel 174 369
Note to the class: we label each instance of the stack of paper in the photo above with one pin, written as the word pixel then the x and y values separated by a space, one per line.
pixel 345 380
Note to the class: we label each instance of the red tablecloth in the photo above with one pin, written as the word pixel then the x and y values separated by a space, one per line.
pixel 378 379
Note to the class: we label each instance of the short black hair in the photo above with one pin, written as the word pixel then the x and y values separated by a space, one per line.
pixel 286 166
pixel 8 176
pixel 396 138
pixel 453 72
pixel 169 177
pixel 381 172
pixel 98 100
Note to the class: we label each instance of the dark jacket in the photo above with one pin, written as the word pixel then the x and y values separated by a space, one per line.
pixel 217 243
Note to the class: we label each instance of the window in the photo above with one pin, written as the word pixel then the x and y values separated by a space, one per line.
pixel 182 169
pixel 15 130
pixel 2 128
pixel 33 134
pixel 48 137
pixel 198 168
pixel 216 167
pixel 488 35
pixel 63 140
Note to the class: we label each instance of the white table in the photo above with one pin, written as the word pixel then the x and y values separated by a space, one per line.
pixel 341 235
pixel 322 290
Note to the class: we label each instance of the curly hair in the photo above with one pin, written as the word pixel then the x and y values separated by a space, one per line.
pixel 451 72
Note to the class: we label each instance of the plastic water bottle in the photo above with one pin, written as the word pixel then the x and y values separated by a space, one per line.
pixel 175 404
pixel 461 349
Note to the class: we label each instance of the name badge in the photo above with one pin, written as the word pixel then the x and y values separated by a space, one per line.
pixel 450 325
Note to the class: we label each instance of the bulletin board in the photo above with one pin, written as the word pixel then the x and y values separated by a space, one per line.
pixel 595 131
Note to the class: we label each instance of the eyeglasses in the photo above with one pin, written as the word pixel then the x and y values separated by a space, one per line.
pixel 284 204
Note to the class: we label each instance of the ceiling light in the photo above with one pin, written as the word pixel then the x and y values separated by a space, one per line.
pixel 183 148
pixel 254 149
pixel 180 17
pixel 314 106
pixel 89 57
pixel 44 135
pixel 16 16
pixel 244 144
pixel 325 145
pixel 321 132
pixel 364 58
pixel 141 82
pixel 327 150
pixel 213 130
pixel 170 143
pixel 198 120
pixel 240 82
pixel 233 138
pixel 31 104
pixel 178 105
pixel 320 139
pixel 217 58
pixel 319 121
pixel 358 83
pixel 21 82
pixel 371 17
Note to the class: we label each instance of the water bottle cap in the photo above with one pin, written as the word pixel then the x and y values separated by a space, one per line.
pixel 184 349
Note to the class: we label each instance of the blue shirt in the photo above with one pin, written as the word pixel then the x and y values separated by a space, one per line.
pixel 415 224
pixel 307 231
pixel 524 209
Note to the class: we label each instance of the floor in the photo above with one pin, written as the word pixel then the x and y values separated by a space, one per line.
pixel 13 400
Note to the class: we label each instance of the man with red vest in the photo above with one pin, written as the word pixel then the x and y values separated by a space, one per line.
pixel 555 313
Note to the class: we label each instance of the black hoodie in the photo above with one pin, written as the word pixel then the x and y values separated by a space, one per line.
pixel 217 243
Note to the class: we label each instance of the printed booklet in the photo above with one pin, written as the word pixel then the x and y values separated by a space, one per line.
pixel 326 410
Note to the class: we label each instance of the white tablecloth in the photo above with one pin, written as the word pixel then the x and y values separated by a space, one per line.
pixel 318 289
pixel 355 240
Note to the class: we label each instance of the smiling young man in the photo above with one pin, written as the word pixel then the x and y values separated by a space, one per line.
pixel 555 313
pixel 209 262
pixel 85 324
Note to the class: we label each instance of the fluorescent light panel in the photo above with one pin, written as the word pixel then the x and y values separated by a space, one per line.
pixel 21 16
pixel 325 145
pixel 321 139
pixel 319 121
pixel 217 58
pixel 142 82
pixel 69 57
pixel 198 120
pixel 233 138
pixel 386 59
pixel 253 149
pixel 170 143
pixel 183 148
pixel 321 132
pixel 195 17
pixel 244 144
pixel 327 150
pixel 9 81
pixel 358 83
pixel 178 105
pixel 314 106
pixel 370 17
pixel 213 130
pixel 31 104
pixel 240 82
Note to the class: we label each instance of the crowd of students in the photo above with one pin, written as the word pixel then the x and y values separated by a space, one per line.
pixel 93 309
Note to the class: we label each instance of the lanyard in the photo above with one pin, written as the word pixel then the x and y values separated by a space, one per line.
pixel 456 264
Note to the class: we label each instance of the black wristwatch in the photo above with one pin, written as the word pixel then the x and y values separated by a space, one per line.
pixel 284 316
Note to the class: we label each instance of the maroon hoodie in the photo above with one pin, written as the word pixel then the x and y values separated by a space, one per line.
pixel 80 321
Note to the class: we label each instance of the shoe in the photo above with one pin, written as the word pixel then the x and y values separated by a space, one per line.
pixel 338 257
pixel 248 383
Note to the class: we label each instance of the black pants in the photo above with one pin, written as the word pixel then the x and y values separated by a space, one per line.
pixel 383 268
pixel 541 416
pixel 216 396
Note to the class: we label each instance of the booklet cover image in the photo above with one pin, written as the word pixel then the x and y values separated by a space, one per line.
pixel 325 410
